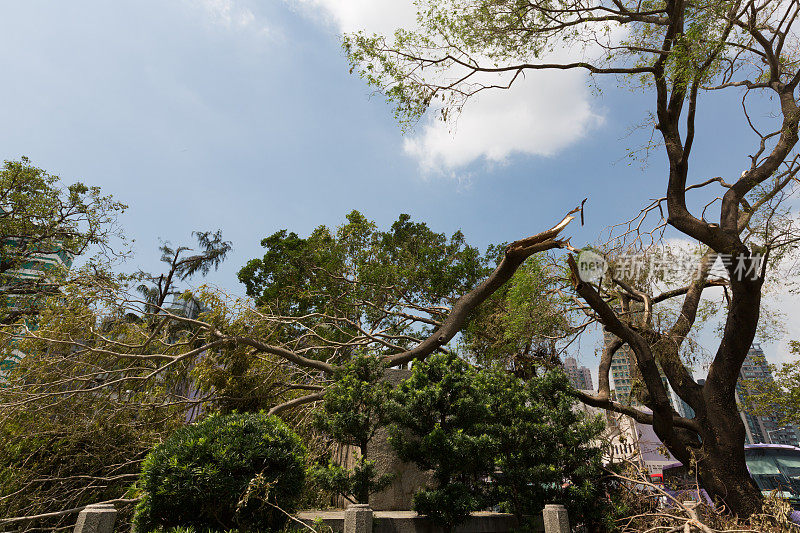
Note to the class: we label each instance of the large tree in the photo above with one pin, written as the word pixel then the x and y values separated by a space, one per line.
pixel 77 417
pixel 677 50
pixel 396 295
pixel 44 225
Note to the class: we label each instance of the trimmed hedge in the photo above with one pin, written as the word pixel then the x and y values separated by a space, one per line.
pixel 225 472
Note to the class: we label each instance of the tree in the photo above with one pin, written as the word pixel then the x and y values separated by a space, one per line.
pixel 521 325
pixel 157 288
pixel 493 439
pixel 393 295
pixel 677 50
pixel 44 225
pixel 358 289
pixel 56 453
pixel 352 411
pixel 439 419
pixel 779 397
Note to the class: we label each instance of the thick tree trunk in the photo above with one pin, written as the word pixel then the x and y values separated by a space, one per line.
pixel 720 458
pixel 721 465
pixel 725 478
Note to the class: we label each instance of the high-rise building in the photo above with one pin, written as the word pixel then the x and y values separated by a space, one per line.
pixel 761 429
pixel 34 270
pixel 622 364
pixel 579 377
pixel 683 408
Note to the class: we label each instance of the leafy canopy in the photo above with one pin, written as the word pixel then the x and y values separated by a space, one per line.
pixel 493 439
pixel 44 225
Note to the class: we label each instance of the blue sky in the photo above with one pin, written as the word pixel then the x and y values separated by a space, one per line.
pixel 242 116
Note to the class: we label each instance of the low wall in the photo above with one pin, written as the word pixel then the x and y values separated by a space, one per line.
pixel 411 522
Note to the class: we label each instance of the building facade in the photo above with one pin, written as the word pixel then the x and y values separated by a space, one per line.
pixel 579 377
pixel 761 429
pixel 23 286
pixel 630 442
pixel 623 364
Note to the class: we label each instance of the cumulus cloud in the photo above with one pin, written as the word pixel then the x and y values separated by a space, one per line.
pixel 540 115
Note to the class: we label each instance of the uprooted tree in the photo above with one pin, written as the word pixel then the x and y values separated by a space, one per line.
pixel 678 50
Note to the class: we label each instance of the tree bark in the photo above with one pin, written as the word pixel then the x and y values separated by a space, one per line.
pixel 721 466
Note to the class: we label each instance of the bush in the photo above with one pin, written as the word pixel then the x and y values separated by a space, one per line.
pixel 439 418
pixel 493 439
pixel 238 471
pixel 351 413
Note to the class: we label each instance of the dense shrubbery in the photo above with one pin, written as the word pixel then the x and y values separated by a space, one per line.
pixel 493 439
pixel 239 471
pixel 353 410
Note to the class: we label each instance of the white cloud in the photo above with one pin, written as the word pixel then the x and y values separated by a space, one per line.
pixel 373 16
pixel 540 115
pixel 230 14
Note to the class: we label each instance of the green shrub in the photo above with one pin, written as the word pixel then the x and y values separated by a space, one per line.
pixel 238 471
pixel 492 439
pixel 351 413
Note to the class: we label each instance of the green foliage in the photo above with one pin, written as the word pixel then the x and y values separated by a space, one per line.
pixel 439 419
pixel 487 43
pixel 493 439
pixel 778 397
pixel 334 286
pixel 235 471
pixel 39 215
pixel 549 451
pixel 523 318
pixel 358 270
pixel 353 409
pixel 354 403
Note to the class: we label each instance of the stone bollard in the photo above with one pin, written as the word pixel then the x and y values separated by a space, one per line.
pixel 96 518
pixel 358 518
pixel 555 518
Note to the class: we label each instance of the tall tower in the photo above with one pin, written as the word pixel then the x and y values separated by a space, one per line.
pixel 623 364
pixel 623 374
pixel 761 429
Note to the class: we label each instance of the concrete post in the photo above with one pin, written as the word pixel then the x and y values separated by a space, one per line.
pixel 555 518
pixel 96 518
pixel 358 518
